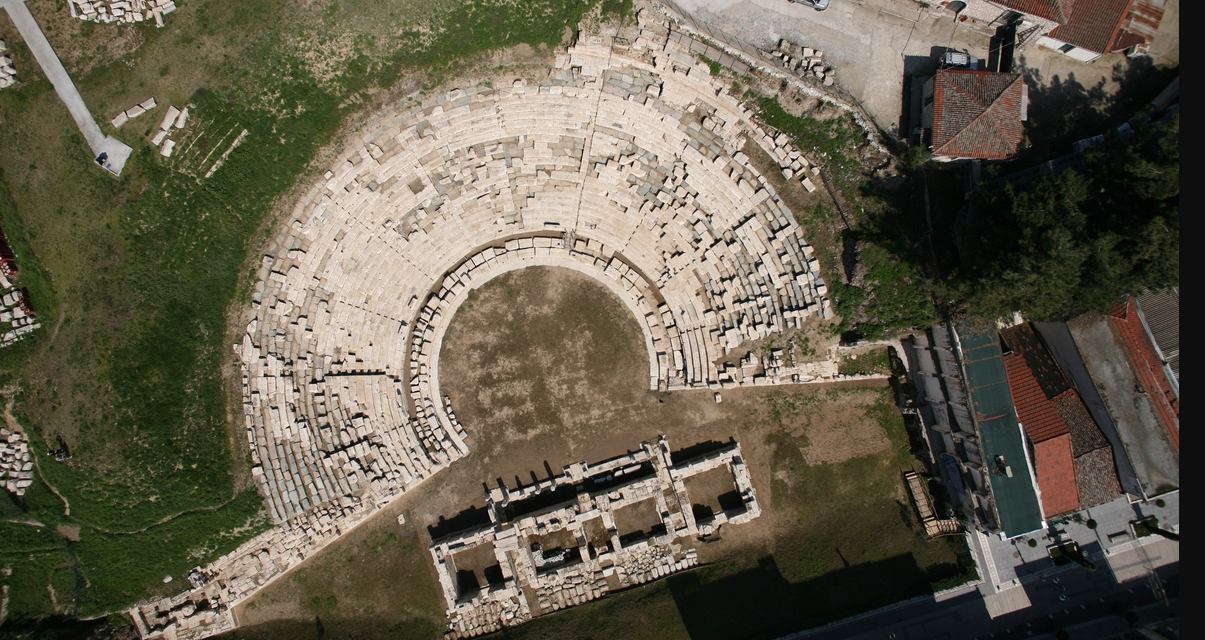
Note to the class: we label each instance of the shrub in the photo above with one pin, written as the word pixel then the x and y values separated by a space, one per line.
pixel 1091 523
pixel 1033 543
pixel 1160 503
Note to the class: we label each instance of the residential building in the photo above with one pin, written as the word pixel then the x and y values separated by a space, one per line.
pixel 1093 28
pixel 969 114
pixel 1160 315
pixel 963 394
pixel 1073 460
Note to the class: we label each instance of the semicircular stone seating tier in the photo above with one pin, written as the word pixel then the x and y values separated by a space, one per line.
pixel 624 169
pixel 623 164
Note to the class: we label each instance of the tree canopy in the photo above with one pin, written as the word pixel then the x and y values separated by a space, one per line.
pixel 1077 239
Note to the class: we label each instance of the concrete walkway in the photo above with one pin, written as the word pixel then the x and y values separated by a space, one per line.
pixel 49 61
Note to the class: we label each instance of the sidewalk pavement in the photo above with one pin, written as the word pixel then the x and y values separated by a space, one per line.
pixel 117 151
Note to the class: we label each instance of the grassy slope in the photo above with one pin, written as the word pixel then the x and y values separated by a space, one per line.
pixel 891 298
pixel 138 273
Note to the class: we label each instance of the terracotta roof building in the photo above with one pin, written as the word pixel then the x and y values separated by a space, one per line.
pixel 1143 355
pixel 1160 313
pixel 1072 458
pixel 1096 27
pixel 974 114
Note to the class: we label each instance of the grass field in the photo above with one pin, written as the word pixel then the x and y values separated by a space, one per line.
pixel 134 278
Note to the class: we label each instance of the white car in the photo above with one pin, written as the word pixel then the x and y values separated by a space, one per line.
pixel 818 5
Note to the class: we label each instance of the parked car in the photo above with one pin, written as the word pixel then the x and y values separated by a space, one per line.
pixel 818 5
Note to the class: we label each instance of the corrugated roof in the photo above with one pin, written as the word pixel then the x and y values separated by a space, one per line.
pixel 1161 313
pixel 977 114
pixel 1056 475
pixel 1035 411
pixel 1000 435
pixel 1106 26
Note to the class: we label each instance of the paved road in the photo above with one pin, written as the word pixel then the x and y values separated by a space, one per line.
pixel 871 42
pixel 868 43
pixel 53 68
pixel 1079 599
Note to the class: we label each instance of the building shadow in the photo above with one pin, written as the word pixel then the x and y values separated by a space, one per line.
pixel 916 67
pixel 696 450
pixel 761 603
pixel 468 519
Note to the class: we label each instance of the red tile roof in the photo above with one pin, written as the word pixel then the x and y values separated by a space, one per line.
pixel 977 114
pixel 1056 476
pixel 1049 9
pixel 1106 26
pixel 1036 413
pixel 1137 347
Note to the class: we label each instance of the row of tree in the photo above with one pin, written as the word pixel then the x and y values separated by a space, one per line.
pixel 1077 239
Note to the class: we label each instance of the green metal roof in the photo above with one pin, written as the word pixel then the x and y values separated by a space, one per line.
pixel 999 431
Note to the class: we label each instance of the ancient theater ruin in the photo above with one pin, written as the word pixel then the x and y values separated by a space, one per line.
pixel 623 164
pixel 590 531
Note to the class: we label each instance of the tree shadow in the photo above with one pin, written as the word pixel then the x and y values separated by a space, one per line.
pixel 918 214
pixel 1064 110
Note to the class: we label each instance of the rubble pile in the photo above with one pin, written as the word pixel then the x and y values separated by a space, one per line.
pixel 792 162
pixel 16 469
pixel 804 61
pixel 8 73
pixel 128 11
pixel 605 556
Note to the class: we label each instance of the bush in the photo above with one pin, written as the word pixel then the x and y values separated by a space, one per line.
pixel 1160 503
pixel 1091 523
pixel 1033 543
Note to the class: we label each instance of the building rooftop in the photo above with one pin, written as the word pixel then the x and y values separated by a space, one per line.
pixel 1127 325
pixel 1056 475
pixel 987 385
pixel 1161 313
pixel 1034 410
pixel 1105 26
pixel 1055 10
pixel 1058 423
pixel 978 114
pixel 1115 378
